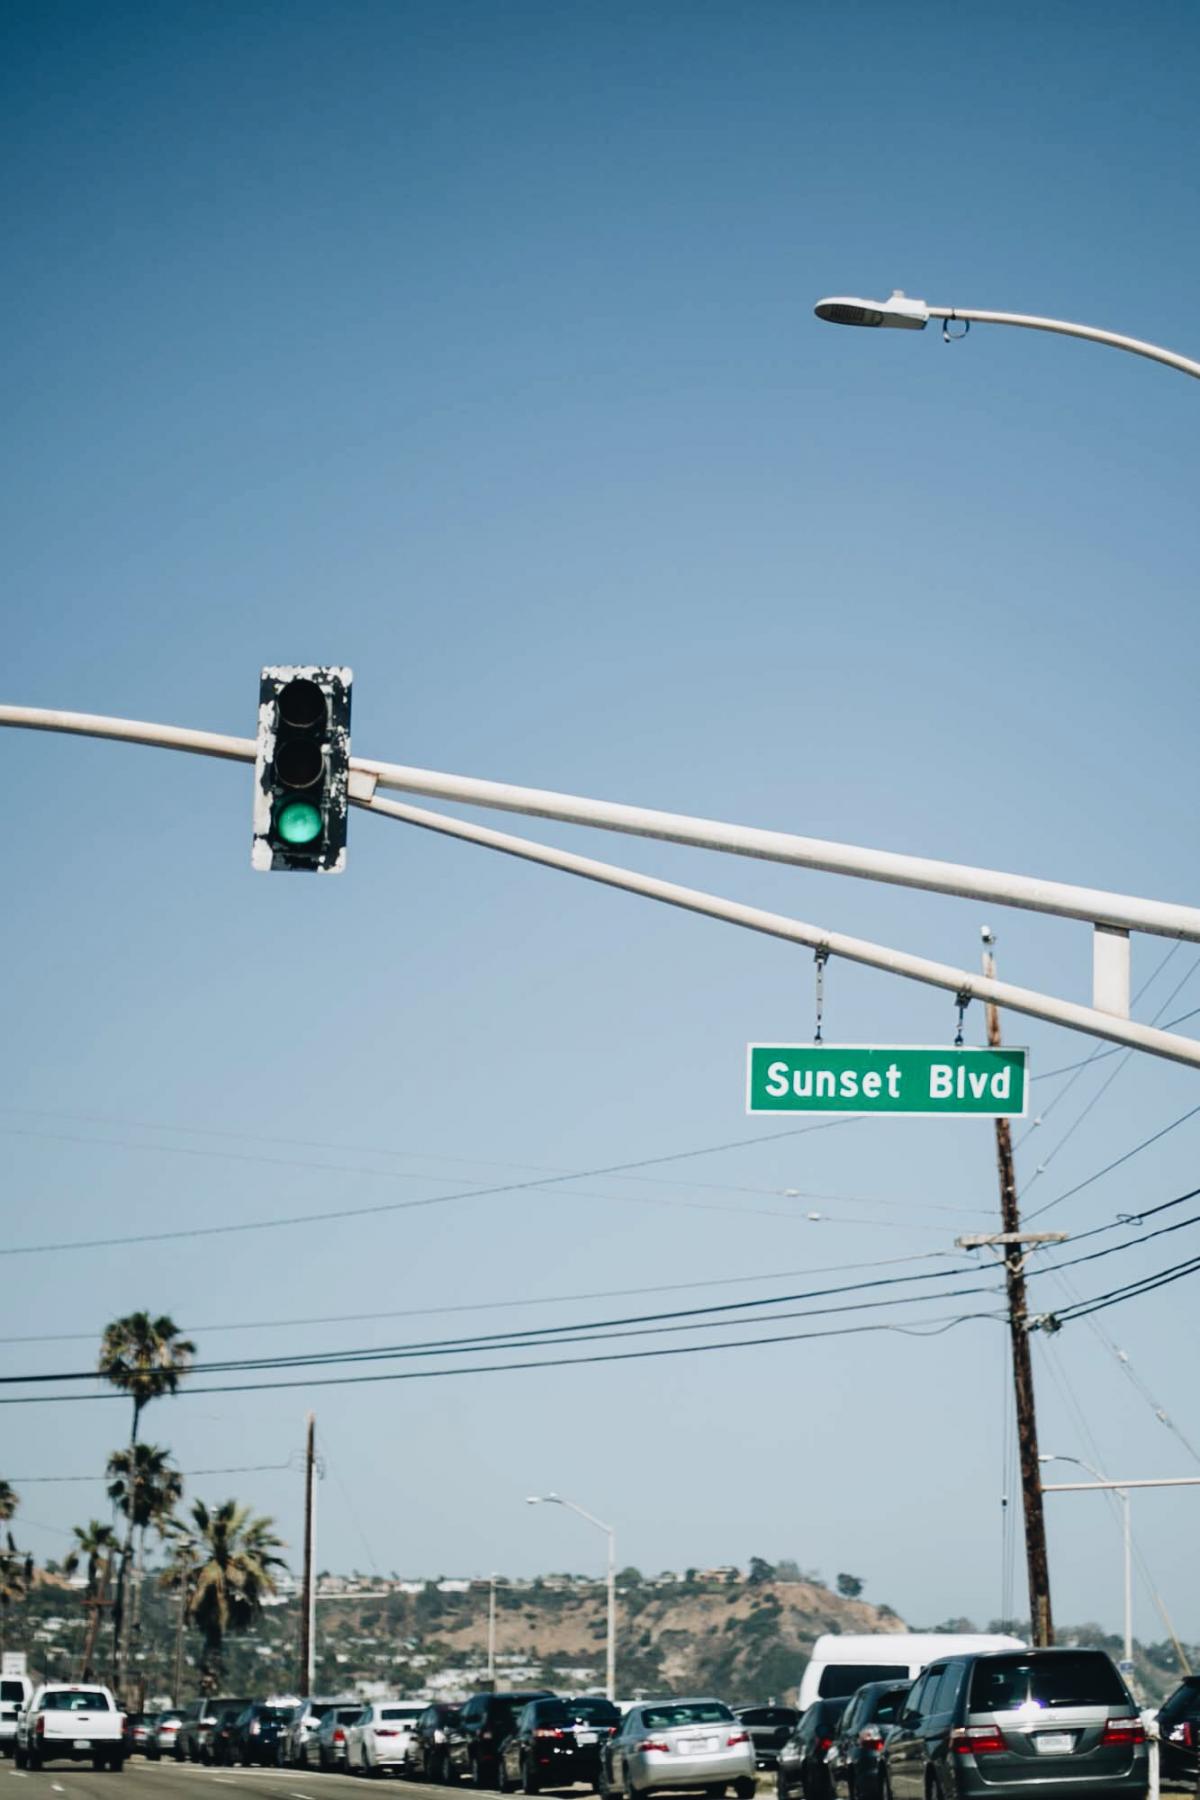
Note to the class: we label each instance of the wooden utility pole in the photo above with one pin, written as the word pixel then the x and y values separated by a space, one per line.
pixel 308 1596
pixel 1036 1559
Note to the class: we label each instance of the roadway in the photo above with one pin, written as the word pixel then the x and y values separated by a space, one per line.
pixel 170 1780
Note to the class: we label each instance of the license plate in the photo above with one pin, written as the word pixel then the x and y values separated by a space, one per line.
pixel 585 1737
pixel 698 1744
pixel 1055 1743
pixel 82 1744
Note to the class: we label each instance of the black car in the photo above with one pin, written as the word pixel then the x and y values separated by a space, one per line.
pixel 802 1766
pixel 431 1734
pixel 255 1735
pixel 484 1723
pixel 996 1726
pixel 769 1728
pixel 1179 1737
pixel 216 1747
pixel 856 1757
pixel 556 1742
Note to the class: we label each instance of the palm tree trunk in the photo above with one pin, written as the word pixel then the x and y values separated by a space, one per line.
pixel 120 1606
pixel 97 1605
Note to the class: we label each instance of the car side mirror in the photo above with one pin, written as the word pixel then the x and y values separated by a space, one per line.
pixel 908 1717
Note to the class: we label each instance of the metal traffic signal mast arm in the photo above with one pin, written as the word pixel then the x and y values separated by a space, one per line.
pixel 1113 915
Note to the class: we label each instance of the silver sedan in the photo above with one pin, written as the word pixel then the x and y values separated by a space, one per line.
pixel 664 1744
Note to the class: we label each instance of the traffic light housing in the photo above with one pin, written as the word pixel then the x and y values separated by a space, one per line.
pixel 302 768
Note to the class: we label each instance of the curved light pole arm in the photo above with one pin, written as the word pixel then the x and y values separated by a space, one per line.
pixel 1065 328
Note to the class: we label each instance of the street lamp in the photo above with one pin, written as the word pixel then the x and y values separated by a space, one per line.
pixel 1127 1534
pixel 611 1661
pixel 902 313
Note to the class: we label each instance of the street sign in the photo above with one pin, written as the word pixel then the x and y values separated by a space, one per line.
pixel 906 1081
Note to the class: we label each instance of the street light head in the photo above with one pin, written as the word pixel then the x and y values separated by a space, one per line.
pixel 899 311
pixel 533 1499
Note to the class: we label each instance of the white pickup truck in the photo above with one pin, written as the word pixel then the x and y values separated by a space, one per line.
pixel 79 1721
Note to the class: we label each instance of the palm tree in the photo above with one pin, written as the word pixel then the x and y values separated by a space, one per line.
pixel 9 1501
pixel 99 1544
pixel 146 1489
pixel 237 1557
pixel 145 1358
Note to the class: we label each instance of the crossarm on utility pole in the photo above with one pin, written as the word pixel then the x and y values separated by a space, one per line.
pixel 795 931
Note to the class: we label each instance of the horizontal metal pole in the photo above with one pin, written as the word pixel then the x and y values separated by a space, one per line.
pixel 1159 917
pixel 1076 1487
pixel 753 918
pixel 1066 328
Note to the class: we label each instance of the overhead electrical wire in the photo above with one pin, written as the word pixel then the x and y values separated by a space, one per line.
pixel 1145 1144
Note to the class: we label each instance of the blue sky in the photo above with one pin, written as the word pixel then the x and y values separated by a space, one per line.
pixel 472 345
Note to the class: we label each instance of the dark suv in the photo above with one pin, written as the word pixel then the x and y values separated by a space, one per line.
pixel 256 1734
pixel 556 1742
pixel 1179 1736
pixel 1013 1723
pixel 802 1761
pixel 484 1723
pixel 857 1755
pixel 431 1734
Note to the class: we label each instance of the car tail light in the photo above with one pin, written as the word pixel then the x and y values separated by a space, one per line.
pixel 551 1731
pixel 1183 1734
pixel 824 1743
pixel 652 1744
pixel 485 1734
pixel 977 1740
pixel 339 1736
pixel 39 1728
pixel 871 1736
pixel 385 1731
pixel 171 1725
pixel 737 1737
pixel 1123 1731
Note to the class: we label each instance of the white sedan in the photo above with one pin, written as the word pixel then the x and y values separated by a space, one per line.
pixel 381 1738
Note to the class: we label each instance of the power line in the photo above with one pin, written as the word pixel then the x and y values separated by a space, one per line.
pixel 931 1328
pixel 544 1333
pixel 1116 1164
pixel 475 1306
pixel 359 1212
pixel 191 1474
pixel 1147 1284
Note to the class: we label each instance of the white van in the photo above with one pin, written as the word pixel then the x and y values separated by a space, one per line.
pixel 840 1665
pixel 15 1691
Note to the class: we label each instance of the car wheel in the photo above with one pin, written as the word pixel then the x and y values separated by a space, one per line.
pixel 630 1792
pixel 782 1790
pixel 449 1773
pixel 33 1760
pixel 529 1781
pixel 745 1788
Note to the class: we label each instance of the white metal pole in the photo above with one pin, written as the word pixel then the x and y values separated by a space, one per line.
pixel 1064 899
pixel 491 1661
pixel 1128 1543
pixel 610 1686
pixel 1067 328
pixel 795 931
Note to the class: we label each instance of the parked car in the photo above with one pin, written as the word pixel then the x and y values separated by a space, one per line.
pixel 431 1734
pixel 556 1742
pixel 253 1735
pixel 301 1741
pixel 856 1759
pixel 139 1728
pixel 215 1744
pixel 1179 1736
pixel 484 1723
pixel 330 1740
pixel 803 1767
pixel 161 1741
pixel 382 1738
pixel 666 1744
pixel 769 1728
pixel 79 1722
pixel 996 1726
pixel 15 1692
pixel 195 1723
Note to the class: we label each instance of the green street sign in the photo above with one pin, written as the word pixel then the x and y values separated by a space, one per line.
pixel 910 1081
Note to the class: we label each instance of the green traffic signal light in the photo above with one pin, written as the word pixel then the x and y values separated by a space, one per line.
pixel 298 821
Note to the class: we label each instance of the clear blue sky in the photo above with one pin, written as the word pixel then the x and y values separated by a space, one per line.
pixel 472 345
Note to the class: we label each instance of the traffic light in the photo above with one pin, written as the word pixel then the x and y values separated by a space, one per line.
pixel 302 768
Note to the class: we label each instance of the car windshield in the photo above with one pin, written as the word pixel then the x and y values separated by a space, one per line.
pixel 400 1712
pixel 274 1715
pixel 12 1690
pixel 592 1710
pixel 1063 1678
pixel 77 1700
pixel 346 1715
pixel 840 1680
pixel 694 1712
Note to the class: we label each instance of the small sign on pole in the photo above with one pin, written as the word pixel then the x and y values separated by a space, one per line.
pixel 904 1081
